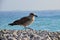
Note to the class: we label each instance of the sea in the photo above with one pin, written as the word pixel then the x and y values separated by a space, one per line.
pixel 46 20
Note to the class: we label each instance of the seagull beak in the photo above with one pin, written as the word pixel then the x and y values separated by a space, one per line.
pixel 35 15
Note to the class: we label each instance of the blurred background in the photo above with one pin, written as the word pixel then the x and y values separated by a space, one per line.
pixel 48 12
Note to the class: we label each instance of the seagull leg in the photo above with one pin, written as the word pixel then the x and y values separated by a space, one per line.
pixel 25 28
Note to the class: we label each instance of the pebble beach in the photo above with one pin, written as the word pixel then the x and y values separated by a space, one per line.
pixel 28 35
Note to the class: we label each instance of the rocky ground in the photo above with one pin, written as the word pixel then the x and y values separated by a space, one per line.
pixel 28 35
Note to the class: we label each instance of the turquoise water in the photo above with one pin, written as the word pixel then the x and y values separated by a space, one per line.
pixel 49 23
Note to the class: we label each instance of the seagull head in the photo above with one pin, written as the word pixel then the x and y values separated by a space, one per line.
pixel 32 14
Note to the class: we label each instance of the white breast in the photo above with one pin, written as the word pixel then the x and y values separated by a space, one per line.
pixel 30 21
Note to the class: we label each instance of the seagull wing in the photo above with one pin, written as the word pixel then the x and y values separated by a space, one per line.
pixel 21 21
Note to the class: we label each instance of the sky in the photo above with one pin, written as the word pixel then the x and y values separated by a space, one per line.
pixel 29 5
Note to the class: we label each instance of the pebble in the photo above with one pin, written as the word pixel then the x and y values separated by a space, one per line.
pixel 28 35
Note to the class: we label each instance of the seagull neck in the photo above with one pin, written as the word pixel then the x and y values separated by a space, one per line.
pixel 32 17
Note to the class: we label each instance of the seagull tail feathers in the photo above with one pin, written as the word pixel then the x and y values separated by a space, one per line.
pixel 11 24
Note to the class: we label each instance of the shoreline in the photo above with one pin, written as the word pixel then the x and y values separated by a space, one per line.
pixel 28 35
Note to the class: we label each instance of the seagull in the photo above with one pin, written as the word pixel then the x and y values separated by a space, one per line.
pixel 25 21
